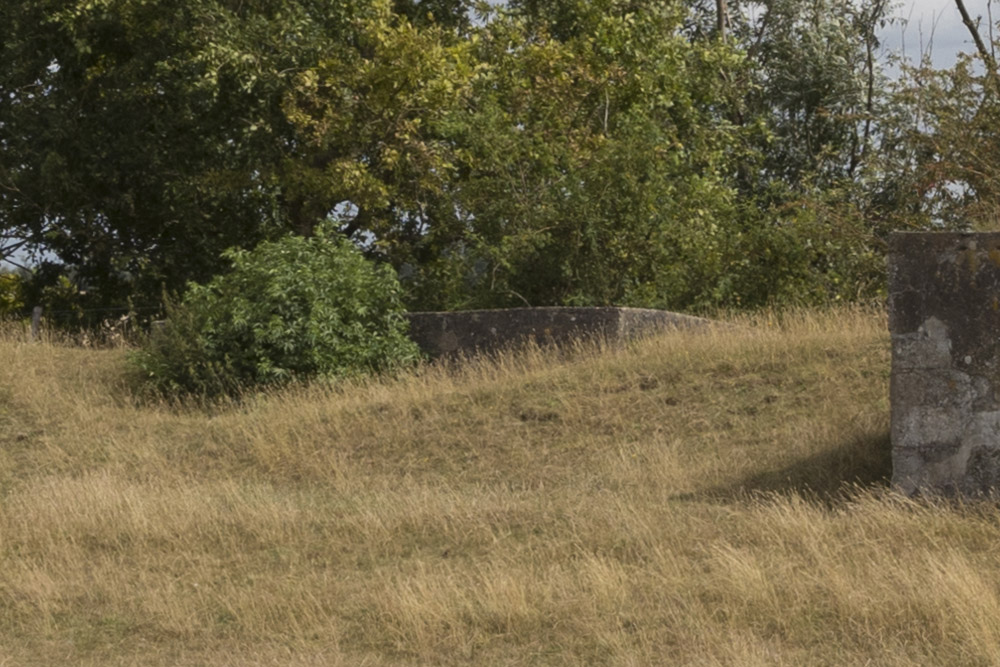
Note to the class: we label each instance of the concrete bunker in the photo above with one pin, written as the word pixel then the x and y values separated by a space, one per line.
pixel 944 319
pixel 471 331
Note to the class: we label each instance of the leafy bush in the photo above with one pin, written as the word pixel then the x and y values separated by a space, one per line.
pixel 292 309
pixel 11 294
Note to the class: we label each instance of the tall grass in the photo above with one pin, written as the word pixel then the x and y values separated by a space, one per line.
pixel 696 498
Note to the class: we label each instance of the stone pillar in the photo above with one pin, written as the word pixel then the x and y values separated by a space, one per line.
pixel 944 317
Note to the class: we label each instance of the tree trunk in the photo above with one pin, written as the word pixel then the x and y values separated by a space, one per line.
pixel 723 17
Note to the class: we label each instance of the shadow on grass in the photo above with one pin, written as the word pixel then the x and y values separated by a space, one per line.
pixel 836 473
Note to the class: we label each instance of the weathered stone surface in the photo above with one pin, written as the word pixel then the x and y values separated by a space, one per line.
pixel 450 333
pixel 944 317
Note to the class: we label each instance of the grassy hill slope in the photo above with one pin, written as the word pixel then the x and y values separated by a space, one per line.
pixel 693 499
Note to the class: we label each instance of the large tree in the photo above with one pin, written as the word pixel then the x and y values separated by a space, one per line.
pixel 141 139
pixel 592 162
pixel 677 154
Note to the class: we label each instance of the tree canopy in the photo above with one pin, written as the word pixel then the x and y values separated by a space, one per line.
pixel 686 154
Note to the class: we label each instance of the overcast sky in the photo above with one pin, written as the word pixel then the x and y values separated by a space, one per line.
pixel 936 26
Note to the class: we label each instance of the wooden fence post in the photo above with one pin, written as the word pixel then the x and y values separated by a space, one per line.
pixel 36 322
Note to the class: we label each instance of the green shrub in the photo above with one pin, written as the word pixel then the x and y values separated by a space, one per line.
pixel 296 308
pixel 11 294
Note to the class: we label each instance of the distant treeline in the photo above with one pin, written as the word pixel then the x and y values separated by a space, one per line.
pixel 687 155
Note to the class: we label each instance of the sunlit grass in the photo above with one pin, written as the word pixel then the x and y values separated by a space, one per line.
pixel 695 498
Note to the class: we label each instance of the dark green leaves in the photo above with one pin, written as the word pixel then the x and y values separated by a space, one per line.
pixel 292 309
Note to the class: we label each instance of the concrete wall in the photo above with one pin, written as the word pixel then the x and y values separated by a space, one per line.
pixel 450 333
pixel 944 317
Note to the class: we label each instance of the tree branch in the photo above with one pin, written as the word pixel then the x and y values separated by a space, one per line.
pixel 361 220
pixel 877 10
pixel 984 53
pixel 722 13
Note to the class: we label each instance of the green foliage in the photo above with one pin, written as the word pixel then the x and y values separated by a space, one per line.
pixel 816 86
pixel 370 152
pixel 451 13
pixel 296 308
pixel 948 143
pixel 550 152
pixel 579 161
pixel 11 294
pixel 142 139
pixel 599 167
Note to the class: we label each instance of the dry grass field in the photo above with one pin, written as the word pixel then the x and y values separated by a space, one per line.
pixel 692 499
